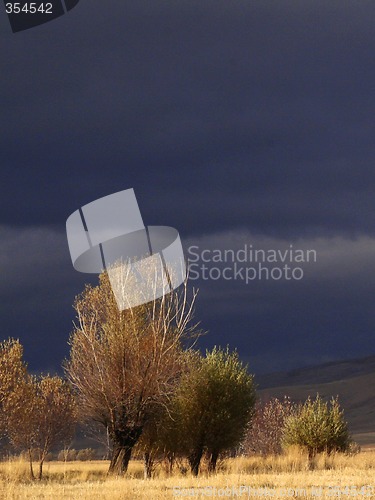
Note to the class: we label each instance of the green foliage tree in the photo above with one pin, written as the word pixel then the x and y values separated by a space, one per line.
pixel 212 406
pixel 318 426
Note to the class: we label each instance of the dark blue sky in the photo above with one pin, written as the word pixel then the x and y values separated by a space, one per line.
pixel 237 122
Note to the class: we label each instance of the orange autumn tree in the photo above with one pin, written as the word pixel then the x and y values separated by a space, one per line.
pixel 41 415
pixel 125 364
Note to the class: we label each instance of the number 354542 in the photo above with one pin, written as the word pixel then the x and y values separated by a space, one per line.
pixel 28 8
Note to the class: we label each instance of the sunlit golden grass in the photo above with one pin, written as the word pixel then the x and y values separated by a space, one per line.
pixel 286 476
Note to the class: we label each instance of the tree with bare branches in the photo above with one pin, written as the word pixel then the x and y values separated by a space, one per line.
pixel 265 430
pixel 124 364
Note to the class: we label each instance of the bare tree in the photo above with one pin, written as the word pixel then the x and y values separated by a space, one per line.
pixel 265 430
pixel 124 363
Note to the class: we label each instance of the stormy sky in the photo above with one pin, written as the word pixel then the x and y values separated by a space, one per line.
pixel 236 122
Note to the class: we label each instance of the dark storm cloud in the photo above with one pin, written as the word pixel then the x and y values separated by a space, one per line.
pixel 37 289
pixel 254 117
pixel 265 101
pixel 325 315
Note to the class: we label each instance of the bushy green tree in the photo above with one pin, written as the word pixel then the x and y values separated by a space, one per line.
pixel 212 406
pixel 318 426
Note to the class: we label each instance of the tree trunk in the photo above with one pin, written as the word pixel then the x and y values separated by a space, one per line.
pixel 148 465
pixel 195 460
pixel 120 460
pixel 124 441
pixel 311 459
pixel 31 465
pixel 213 461
pixel 170 463
pixel 115 455
pixel 40 469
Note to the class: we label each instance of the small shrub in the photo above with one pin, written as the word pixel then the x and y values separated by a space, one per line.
pixel 67 455
pixel 86 455
pixel 318 426
pixel 353 449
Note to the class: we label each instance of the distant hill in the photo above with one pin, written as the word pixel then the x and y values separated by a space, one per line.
pixel 318 374
pixel 352 380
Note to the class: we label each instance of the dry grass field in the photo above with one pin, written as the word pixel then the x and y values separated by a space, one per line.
pixel 287 476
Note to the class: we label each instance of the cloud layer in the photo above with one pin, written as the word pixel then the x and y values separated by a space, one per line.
pixel 234 122
pixel 325 315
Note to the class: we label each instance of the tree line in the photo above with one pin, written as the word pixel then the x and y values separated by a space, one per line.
pixel 135 378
